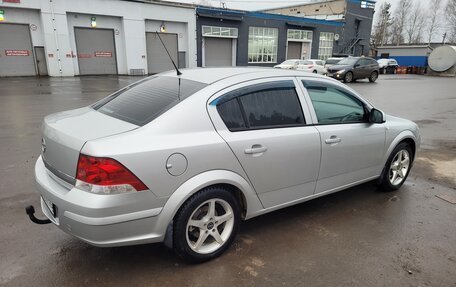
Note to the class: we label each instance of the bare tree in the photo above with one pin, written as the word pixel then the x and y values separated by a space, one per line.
pixel 399 20
pixel 381 27
pixel 451 20
pixel 434 17
pixel 414 23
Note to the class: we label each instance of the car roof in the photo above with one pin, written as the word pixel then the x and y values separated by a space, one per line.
pixel 211 75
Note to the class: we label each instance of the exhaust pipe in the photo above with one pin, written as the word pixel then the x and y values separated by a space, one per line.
pixel 30 210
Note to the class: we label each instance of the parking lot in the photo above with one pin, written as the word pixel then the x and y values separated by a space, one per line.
pixel 357 237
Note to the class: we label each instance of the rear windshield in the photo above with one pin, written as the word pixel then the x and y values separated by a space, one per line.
pixel 144 101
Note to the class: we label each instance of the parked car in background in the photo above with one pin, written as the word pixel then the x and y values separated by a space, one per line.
pixel 354 68
pixel 123 171
pixel 387 66
pixel 332 61
pixel 291 64
pixel 313 66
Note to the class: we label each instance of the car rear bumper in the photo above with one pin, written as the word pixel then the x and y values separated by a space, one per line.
pixel 101 220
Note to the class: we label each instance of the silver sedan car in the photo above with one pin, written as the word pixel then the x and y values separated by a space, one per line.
pixel 183 159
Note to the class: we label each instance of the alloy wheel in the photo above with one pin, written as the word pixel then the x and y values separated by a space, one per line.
pixel 210 226
pixel 399 167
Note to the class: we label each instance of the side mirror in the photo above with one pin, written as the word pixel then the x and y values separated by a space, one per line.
pixel 357 65
pixel 376 116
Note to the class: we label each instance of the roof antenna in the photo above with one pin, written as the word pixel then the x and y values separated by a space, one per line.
pixel 174 64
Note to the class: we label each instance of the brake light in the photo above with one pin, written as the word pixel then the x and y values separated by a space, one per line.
pixel 310 66
pixel 105 175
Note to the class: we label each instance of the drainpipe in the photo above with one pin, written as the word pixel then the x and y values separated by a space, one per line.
pixel 55 36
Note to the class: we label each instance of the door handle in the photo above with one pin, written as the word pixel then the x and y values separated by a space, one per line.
pixel 256 148
pixel 333 140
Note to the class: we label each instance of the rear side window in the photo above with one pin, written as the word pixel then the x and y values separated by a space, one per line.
pixel 268 105
pixel 143 102
pixel 231 114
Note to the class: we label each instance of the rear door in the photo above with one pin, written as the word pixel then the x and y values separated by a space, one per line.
pixel 352 148
pixel 266 128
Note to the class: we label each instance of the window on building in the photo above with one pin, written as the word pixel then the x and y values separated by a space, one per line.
pixel 326 45
pixel 368 4
pixel 223 32
pixel 299 35
pixel 263 44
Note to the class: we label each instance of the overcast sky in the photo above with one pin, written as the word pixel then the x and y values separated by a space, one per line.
pixel 264 4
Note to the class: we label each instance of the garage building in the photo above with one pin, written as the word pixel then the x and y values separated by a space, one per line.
pixel 89 37
pixel 241 38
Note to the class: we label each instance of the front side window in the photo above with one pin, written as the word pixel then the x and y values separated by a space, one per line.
pixel 263 45
pixel 333 105
pixel 268 105
pixel 326 45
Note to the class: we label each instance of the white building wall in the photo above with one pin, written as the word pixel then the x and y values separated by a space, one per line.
pixel 130 21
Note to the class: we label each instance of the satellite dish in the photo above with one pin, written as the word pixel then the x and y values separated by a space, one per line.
pixel 442 58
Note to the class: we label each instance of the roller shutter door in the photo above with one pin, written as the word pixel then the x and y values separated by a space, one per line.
pixel 294 50
pixel 95 51
pixel 16 54
pixel 157 58
pixel 218 52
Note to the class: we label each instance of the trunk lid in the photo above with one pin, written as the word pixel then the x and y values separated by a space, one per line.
pixel 65 133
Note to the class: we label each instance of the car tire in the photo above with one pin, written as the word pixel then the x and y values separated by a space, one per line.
pixel 348 78
pixel 373 77
pixel 397 167
pixel 315 71
pixel 199 234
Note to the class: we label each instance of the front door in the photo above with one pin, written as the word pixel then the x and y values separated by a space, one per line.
pixel 265 127
pixel 294 50
pixel 40 57
pixel 306 50
pixel 352 148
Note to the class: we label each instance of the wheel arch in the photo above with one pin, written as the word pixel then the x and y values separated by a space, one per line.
pixel 244 192
pixel 405 136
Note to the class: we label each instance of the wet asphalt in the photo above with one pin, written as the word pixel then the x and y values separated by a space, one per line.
pixel 357 237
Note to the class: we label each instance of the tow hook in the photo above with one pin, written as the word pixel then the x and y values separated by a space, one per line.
pixel 30 210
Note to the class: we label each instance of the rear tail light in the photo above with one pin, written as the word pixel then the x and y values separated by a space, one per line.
pixel 105 175
pixel 310 66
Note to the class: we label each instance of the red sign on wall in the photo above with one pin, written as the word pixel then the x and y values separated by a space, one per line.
pixel 103 54
pixel 17 52
pixel 11 1
pixel 84 56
